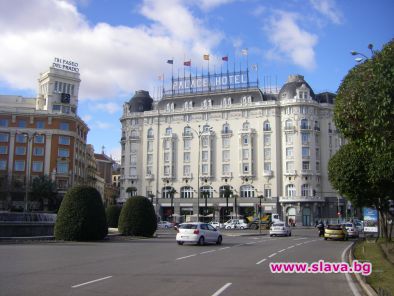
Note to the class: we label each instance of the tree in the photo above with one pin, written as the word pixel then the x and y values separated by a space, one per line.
pixel 137 217
pixel 43 189
pixel 363 170
pixel 81 216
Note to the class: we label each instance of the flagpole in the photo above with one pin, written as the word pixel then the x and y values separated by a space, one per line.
pixel 172 77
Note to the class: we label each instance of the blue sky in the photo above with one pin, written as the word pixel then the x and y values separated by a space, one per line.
pixel 122 46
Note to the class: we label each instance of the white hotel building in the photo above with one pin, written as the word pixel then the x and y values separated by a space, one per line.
pixel 200 140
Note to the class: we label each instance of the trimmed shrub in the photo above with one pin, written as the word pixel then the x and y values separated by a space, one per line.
pixel 113 213
pixel 81 216
pixel 137 217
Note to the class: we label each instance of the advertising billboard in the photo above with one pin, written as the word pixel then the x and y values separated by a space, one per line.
pixel 370 220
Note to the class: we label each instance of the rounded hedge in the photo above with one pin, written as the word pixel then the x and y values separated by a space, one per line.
pixel 81 216
pixel 113 213
pixel 137 217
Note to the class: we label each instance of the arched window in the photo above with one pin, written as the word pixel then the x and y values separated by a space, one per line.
pixel 289 124
pixel 186 192
pixel 206 128
pixel 267 126
pixel 206 191
pixel 290 190
pixel 223 189
pixel 187 131
pixel 150 133
pixel 247 191
pixel 226 128
pixel 166 192
pixel 168 131
pixel 305 190
pixel 304 124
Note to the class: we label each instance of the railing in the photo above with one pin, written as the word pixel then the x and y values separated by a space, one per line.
pixel 268 173
pixel 301 199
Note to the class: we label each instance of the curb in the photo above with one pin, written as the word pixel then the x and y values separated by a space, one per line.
pixel 367 289
pixel 26 238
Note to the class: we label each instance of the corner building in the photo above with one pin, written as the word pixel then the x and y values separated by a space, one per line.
pixel 41 136
pixel 268 148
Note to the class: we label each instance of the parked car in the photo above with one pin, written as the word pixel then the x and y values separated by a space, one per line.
pixel 335 231
pixel 199 233
pixel 351 229
pixel 231 222
pixel 164 224
pixel 280 228
pixel 359 225
pixel 237 225
pixel 216 224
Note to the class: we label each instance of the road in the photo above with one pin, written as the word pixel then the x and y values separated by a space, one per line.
pixel 158 266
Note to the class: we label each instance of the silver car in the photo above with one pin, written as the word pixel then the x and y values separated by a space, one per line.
pixel 351 229
pixel 280 228
pixel 198 233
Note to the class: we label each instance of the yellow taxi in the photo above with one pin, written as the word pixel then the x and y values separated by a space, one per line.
pixel 335 231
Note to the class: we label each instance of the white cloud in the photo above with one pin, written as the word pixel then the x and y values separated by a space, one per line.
pixel 87 118
pixel 115 153
pixel 113 60
pixel 290 41
pixel 111 108
pixel 210 4
pixel 328 9
pixel 102 125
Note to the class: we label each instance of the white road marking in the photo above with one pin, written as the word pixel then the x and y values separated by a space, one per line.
pixel 272 255
pixel 251 243
pixel 261 261
pixel 290 247
pixel 224 248
pixel 206 252
pixel 300 238
pixel 238 245
pixel 299 244
pixel 218 292
pixel 90 282
pixel 281 250
pixel 348 277
pixel 180 258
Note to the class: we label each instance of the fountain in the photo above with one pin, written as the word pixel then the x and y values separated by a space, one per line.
pixel 26 224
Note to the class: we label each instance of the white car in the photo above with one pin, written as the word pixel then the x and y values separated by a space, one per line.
pixel 351 229
pixel 280 228
pixel 164 224
pixel 217 225
pixel 237 225
pixel 198 233
pixel 230 223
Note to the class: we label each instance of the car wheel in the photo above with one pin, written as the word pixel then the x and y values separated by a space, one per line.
pixel 241 227
pixel 180 243
pixel 271 235
pixel 228 227
pixel 290 233
pixel 201 241
pixel 325 238
pixel 219 240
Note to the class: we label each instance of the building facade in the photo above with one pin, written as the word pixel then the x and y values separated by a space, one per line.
pixel 267 148
pixel 41 136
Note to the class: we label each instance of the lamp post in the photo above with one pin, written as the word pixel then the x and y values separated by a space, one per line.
pixel 364 57
pixel 260 210
pixel 172 192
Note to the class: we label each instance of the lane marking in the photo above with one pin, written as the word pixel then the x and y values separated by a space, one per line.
pixel 218 292
pixel 180 258
pixel 224 248
pixel 206 252
pixel 251 243
pixel 347 275
pixel 299 244
pixel 261 261
pixel 291 247
pixel 300 238
pixel 272 255
pixel 281 250
pixel 90 282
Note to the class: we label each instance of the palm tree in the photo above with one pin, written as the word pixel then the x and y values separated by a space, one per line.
pixel 44 190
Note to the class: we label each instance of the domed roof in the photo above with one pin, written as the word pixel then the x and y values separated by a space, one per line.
pixel 294 82
pixel 141 101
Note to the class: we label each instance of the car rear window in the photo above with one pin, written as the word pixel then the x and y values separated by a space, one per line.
pixel 335 227
pixel 188 226
pixel 349 225
pixel 279 224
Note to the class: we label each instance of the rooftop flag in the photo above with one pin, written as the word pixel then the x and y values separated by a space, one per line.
pixel 206 57
pixel 225 58
pixel 244 52
pixel 187 63
pixel 170 62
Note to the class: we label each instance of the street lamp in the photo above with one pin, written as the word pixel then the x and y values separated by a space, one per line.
pixel 172 192
pixel 260 210
pixel 364 57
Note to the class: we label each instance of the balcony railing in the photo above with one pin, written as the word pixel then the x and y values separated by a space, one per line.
pixel 291 172
pixel 301 199
pixel 306 172
pixel 149 176
pixel 268 173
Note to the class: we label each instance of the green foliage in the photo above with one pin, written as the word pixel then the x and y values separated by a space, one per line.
pixel 113 213
pixel 43 188
pixel 81 216
pixel 137 217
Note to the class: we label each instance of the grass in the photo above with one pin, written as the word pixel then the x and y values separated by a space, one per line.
pixel 382 270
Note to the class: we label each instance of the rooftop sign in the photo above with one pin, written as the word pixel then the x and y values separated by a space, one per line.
pixel 65 65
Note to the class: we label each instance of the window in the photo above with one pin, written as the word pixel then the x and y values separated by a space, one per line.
pixel 38 151
pixel 4 122
pixel 245 139
pixel 206 191
pixel 317 140
pixel 22 123
pixel 3 149
pixel 267 153
pixel 305 138
pixel 267 140
pixel 20 150
pixel 62 167
pixel 204 155
pixel 304 124
pixel 187 131
pixel 64 126
pixel 289 138
pixel 186 157
pixel 166 156
pixel 267 166
pixel 37 166
pixel 226 128
pixel 56 108
pixel 186 170
pixel 39 139
pixel 305 165
pixel 305 190
pixel 40 124
pixel 303 109
pixel 63 152
pixel 290 190
pixel 245 154
pixel 247 191
pixel 267 193
pixel 267 126
pixel 186 144
pixel 187 192
pixel 245 168
pixel 3 137
pixel 149 158
pixel 168 131
pixel 205 141
pixel 289 152
pixel 317 153
pixel 226 169
pixel 134 147
pixel 317 166
pixel 19 165
pixel 204 169
pixel 166 170
pixel 288 124
pixel 20 138
pixel 150 146
pixel 64 140
pixel 150 133
pixel 305 152
pixel 224 189
pixel 3 164
pixel 226 142
pixel 289 166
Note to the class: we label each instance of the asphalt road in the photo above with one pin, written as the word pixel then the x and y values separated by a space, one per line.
pixel 158 266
